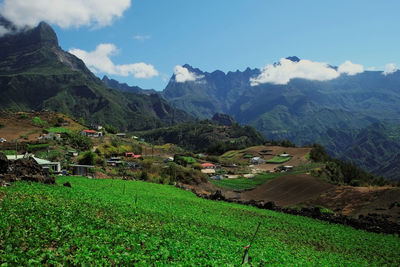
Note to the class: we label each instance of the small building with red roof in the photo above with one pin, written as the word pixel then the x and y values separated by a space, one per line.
pixel 208 165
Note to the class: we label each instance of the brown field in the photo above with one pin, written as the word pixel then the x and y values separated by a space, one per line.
pixel 289 190
pixel 19 125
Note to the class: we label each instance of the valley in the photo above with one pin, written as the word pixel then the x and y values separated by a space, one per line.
pixel 99 172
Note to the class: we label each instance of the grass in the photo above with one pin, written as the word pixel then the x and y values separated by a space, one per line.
pixel 106 222
pixel 8 152
pixel 58 130
pixel 278 159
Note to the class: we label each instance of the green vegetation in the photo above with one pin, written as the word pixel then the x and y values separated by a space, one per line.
pixel 340 172
pixel 58 130
pixel 115 222
pixel 206 136
pixel 32 148
pixel 8 152
pixel 79 141
pixel 279 159
pixel 38 121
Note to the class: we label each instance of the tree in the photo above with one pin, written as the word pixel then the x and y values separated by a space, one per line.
pixel 88 158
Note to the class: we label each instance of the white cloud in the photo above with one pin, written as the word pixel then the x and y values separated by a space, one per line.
pixel 182 75
pixel 99 61
pixel 286 70
pixel 64 13
pixel 3 31
pixel 389 69
pixel 141 37
pixel 350 68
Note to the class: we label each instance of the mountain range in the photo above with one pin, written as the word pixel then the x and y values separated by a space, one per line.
pixel 338 113
pixel 356 117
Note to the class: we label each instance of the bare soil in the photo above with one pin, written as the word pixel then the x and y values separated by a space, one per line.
pixel 288 190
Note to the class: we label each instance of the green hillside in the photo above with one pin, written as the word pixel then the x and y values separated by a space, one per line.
pixel 206 136
pixel 106 222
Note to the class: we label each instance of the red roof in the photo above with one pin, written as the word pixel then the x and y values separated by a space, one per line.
pixel 89 131
pixel 207 165
pixel 136 156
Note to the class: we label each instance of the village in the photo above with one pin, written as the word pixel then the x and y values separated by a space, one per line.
pixel 69 148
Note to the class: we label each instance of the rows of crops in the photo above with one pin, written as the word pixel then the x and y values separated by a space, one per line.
pixel 279 159
pixel 103 222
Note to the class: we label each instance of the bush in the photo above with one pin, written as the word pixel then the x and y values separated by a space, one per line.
pixel 38 121
pixel 88 158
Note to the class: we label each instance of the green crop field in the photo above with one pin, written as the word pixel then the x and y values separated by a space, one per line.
pixel 106 222
pixel 279 159
pixel 58 130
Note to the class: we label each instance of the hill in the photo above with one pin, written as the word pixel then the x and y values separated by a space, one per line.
pixel 206 136
pixel 36 74
pixel 118 222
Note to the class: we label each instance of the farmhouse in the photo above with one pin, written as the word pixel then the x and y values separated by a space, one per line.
pixel 91 133
pixel 208 165
pixel 81 170
pixel 257 160
pixel 51 166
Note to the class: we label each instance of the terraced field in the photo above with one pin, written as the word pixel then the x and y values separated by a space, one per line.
pixel 105 222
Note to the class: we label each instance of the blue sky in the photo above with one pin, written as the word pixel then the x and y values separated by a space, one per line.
pixel 235 34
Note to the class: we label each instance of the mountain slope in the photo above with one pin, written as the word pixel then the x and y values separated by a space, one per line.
pixel 35 74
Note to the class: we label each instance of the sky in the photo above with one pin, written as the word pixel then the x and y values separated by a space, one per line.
pixel 144 42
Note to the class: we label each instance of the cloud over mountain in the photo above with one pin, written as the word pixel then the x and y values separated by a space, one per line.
pixel 286 69
pixel 64 13
pixel 182 75
pixel 389 69
pixel 99 61
pixel 350 68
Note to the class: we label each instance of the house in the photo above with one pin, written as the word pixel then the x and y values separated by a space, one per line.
pixel 287 168
pixel 132 155
pixel 50 136
pixel 81 170
pixel 114 161
pixel 257 160
pixel 122 135
pixel 208 165
pixel 97 127
pixel 208 171
pixel 51 166
pixel 91 133
pixel 73 153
